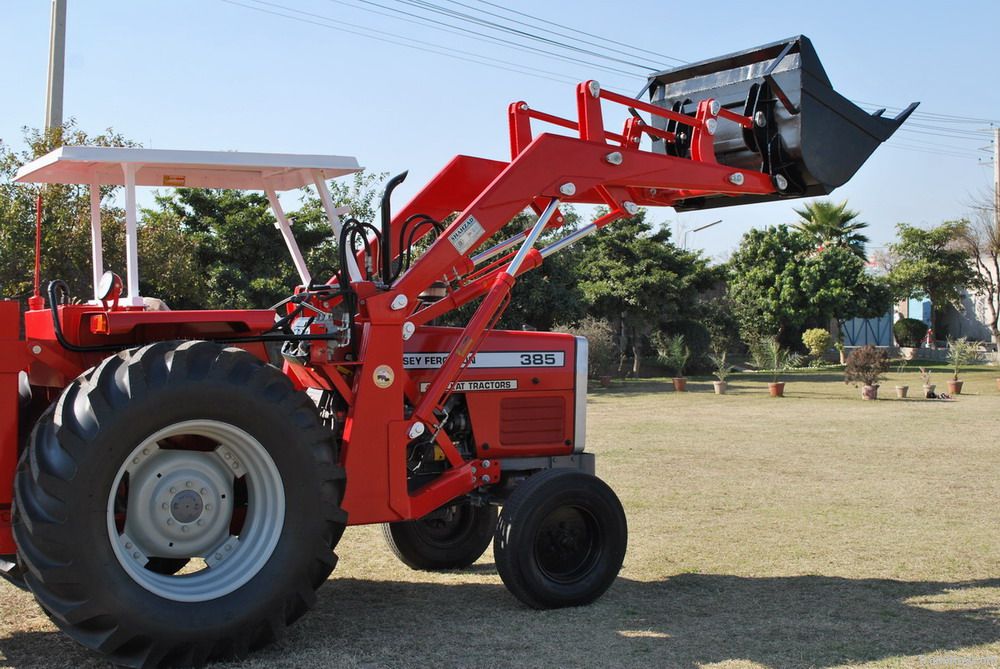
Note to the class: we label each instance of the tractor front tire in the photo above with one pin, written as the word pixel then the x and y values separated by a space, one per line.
pixel 451 538
pixel 561 539
pixel 178 455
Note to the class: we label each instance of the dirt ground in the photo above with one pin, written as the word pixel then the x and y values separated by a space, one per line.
pixel 815 530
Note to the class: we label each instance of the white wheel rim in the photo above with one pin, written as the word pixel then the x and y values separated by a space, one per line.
pixel 180 505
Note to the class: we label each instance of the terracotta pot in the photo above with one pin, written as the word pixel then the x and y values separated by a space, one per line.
pixel 955 387
pixel 901 391
pixel 928 389
pixel 605 382
pixel 680 383
pixel 869 392
pixel 720 387
pixel 776 389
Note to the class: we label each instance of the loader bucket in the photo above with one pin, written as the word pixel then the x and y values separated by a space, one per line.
pixel 806 135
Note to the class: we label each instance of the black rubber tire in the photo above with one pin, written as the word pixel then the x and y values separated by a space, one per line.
pixel 65 476
pixel 525 538
pixel 434 543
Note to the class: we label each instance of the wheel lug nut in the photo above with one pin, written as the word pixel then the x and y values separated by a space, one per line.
pixel 218 556
pixel 201 521
pixel 164 506
pixel 203 491
pixel 135 461
pixel 184 528
pixel 208 507
pixel 173 490
pixel 170 521
pixel 145 451
pixel 128 545
pixel 188 484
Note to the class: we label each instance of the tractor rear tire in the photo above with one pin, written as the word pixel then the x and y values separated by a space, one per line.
pixel 450 538
pixel 561 539
pixel 175 452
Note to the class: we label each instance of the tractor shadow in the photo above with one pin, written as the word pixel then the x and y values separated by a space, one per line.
pixel 685 621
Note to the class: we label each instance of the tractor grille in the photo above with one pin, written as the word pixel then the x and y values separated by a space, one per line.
pixel 532 420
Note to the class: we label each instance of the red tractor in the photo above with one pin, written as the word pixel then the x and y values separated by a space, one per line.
pixel 169 495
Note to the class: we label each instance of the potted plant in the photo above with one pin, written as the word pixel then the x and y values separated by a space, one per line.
pixel 778 360
pixel 722 370
pixel 674 353
pixel 867 365
pixel 925 376
pixel 960 353
pixel 901 390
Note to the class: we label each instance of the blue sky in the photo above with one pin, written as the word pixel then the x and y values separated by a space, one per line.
pixel 209 74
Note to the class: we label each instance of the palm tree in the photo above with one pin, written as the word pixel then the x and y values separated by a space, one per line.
pixel 833 224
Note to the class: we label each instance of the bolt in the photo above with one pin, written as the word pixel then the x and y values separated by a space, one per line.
pixel 408 330
pixel 399 302
pixel 473 469
pixel 36 349
pixel 226 455
pixel 780 182
pixel 135 555
pixel 614 158
pixel 188 484
pixel 145 451
pixel 184 528
pixel 523 106
pixel 486 478
pixel 203 491
pixel 736 178
pixel 326 305
pixel 631 207
pixel 594 88
pixel 128 545
pixel 486 463
pixel 135 461
pixel 652 192
pixel 208 507
pixel 416 430
pixel 236 464
pixel 635 140
pixel 759 119
pixel 164 506
pixel 218 556
pixel 568 189
pixel 714 107
pixel 170 521
pixel 711 125
pixel 201 521
pixel 173 490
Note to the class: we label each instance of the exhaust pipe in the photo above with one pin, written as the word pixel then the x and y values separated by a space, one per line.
pixel 807 136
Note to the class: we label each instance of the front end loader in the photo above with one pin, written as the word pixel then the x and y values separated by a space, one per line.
pixel 173 484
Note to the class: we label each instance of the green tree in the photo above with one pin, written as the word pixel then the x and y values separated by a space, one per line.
pixel 65 223
pixel 830 224
pixel 932 262
pixel 779 283
pixel 632 275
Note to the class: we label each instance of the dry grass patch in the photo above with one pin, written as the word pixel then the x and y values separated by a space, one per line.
pixel 813 530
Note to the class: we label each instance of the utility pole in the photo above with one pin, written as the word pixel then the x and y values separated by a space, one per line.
pixel 57 63
pixel 996 177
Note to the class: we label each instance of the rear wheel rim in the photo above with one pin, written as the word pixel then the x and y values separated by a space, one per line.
pixel 199 490
pixel 567 544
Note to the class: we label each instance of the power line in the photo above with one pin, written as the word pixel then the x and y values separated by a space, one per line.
pixel 410 43
pixel 582 32
pixel 465 32
pixel 486 23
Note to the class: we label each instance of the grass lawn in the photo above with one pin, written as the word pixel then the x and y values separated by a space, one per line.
pixel 812 530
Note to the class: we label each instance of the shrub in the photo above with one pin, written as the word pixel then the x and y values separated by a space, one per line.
pixel 603 343
pixel 867 365
pixel 960 353
pixel 817 340
pixel 909 332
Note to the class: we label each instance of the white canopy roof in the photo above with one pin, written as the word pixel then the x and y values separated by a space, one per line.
pixel 192 169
